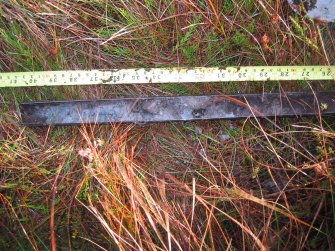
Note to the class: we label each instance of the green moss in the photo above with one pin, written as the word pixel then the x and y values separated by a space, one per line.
pixel 175 88
pixel 241 40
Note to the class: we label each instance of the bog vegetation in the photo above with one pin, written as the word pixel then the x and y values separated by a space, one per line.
pixel 214 185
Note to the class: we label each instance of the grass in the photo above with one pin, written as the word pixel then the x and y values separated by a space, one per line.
pixel 256 184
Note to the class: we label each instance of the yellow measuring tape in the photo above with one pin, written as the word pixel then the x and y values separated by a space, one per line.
pixel 166 75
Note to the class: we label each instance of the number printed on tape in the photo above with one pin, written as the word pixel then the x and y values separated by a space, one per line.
pixel 166 75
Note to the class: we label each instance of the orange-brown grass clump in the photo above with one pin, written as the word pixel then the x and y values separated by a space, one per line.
pixel 258 184
pixel 144 188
